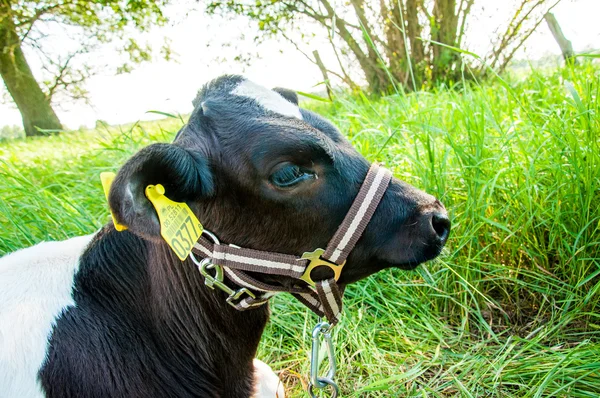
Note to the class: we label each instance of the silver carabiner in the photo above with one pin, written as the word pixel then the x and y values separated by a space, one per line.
pixel 322 328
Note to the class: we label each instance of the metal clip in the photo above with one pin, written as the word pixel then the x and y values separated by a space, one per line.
pixel 317 261
pixel 235 298
pixel 216 281
pixel 316 381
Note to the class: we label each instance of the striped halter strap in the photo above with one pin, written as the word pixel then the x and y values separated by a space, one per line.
pixel 323 296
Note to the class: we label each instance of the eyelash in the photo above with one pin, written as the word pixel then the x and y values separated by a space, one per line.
pixel 291 175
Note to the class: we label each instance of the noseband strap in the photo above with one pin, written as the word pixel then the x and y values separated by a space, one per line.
pixel 359 215
pixel 323 297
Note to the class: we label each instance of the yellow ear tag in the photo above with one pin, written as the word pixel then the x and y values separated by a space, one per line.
pixel 107 180
pixel 178 224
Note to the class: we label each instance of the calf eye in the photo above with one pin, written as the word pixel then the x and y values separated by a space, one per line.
pixel 290 174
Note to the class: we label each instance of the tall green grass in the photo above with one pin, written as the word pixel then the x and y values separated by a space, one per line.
pixel 511 309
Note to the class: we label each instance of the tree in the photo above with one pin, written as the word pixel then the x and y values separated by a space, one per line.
pixel 95 21
pixel 411 43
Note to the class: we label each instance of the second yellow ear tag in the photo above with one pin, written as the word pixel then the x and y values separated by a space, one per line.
pixel 179 226
pixel 107 180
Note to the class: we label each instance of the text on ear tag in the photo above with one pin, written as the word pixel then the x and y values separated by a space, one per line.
pixel 179 226
pixel 107 180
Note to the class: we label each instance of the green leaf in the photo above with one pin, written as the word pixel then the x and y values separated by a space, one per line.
pixel 313 96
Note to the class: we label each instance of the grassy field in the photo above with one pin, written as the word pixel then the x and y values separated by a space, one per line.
pixel 511 309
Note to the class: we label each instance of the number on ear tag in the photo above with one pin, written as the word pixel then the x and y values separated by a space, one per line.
pixel 107 180
pixel 179 226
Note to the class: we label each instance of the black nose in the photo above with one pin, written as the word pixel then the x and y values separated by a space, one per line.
pixel 441 225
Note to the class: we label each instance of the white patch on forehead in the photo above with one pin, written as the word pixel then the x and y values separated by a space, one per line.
pixel 35 288
pixel 266 98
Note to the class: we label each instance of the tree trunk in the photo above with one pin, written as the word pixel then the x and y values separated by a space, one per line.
pixel 373 73
pixel 376 77
pixel 19 80
pixel 444 31
pixel 414 31
pixel 395 47
pixel 565 45
pixel 376 64
pixel 323 69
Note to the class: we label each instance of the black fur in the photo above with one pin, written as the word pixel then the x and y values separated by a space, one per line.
pixel 288 94
pixel 144 324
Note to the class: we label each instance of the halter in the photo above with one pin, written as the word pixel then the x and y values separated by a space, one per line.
pixel 323 297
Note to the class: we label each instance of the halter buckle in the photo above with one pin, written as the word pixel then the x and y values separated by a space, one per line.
pixel 216 281
pixel 317 261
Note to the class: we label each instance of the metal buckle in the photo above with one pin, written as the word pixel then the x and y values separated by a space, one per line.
pixel 317 261
pixel 216 281
pixel 316 381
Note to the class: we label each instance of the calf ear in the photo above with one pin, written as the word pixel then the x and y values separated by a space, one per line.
pixel 288 94
pixel 184 174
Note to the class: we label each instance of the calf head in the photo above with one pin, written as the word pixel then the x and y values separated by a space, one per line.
pixel 262 173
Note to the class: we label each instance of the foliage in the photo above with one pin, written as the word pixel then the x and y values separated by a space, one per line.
pixel 512 307
pixel 32 25
pixel 11 132
pixel 90 23
pixel 395 43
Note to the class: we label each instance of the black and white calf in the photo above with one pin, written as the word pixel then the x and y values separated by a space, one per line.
pixel 117 314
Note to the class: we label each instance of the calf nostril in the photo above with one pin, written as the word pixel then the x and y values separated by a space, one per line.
pixel 441 225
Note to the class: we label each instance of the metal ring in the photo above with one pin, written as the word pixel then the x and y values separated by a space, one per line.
pixel 212 236
pixel 215 241
pixel 326 382
pixel 199 263
pixel 204 263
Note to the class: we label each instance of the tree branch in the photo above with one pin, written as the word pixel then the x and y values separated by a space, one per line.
pixel 367 32
pixel 512 30
pixel 36 16
pixel 346 78
pixel 523 39
pixel 313 61
pixel 340 24
pixel 59 80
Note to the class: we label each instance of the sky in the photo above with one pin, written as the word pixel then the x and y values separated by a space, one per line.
pixel 203 46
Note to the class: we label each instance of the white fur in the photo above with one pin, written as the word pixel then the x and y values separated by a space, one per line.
pixel 268 384
pixel 266 98
pixel 35 288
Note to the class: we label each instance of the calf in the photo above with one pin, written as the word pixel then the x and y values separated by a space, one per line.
pixel 117 314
